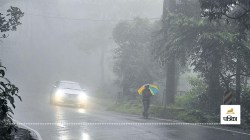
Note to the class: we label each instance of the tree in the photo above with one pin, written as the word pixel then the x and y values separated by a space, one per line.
pixel 7 93
pixel 8 90
pixel 170 63
pixel 209 47
pixel 133 65
pixel 10 21
pixel 238 13
pixel 208 58
pixel 163 45
pixel 237 10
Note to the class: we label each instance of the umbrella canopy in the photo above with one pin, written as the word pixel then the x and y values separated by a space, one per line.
pixel 153 89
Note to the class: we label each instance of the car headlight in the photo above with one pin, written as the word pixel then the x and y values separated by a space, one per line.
pixel 82 96
pixel 59 94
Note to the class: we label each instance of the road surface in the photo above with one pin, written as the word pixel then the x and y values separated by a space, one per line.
pixel 95 123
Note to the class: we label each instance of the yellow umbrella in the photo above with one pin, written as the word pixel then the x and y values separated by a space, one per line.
pixel 153 89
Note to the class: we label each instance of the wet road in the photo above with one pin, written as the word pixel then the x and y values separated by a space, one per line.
pixel 94 123
pixel 48 30
pixel 54 28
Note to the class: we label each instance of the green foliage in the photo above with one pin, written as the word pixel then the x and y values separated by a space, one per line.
pixel 133 60
pixel 184 100
pixel 192 116
pixel 180 37
pixel 196 98
pixel 173 42
pixel 235 59
pixel 211 48
pixel 245 105
pixel 132 107
pixel 231 10
pixel 8 92
pixel 197 116
pixel 169 112
pixel 135 107
pixel 10 21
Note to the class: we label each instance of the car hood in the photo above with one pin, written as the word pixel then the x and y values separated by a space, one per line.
pixel 71 91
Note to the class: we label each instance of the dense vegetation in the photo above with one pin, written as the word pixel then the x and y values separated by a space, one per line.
pixel 213 43
pixel 8 91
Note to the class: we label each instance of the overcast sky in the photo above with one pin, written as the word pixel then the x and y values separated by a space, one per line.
pixel 61 39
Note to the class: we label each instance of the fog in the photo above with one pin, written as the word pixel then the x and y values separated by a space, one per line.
pixel 148 68
pixel 63 40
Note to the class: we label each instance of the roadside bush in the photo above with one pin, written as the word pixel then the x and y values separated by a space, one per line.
pixel 170 112
pixel 128 106
pixel 7 93
pixel 196 98
pixel 193 116
pixel 245 107
pixel 195 102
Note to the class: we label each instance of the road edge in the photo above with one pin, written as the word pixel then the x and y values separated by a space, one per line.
pixel 211 127
pixel 33 133
pixel 178 121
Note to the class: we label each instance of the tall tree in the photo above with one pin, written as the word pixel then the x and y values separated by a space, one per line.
pixel 210 47
pixel 233 11
pixel 172 7
pixel 171 84
pixel 133 64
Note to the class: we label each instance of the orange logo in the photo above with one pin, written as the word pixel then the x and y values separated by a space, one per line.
pixel 230 111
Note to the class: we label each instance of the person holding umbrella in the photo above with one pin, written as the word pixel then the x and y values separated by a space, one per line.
pixel 146 95
pixel 147 91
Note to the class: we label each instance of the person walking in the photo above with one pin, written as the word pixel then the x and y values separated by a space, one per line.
pixel 146 95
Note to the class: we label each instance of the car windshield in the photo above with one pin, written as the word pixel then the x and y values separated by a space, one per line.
pixel 65 85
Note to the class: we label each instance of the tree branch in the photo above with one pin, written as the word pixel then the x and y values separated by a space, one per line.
pixel 238 17
pixel 241 6
pixel 240 74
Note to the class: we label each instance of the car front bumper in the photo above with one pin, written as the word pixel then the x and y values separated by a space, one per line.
pixel 70 100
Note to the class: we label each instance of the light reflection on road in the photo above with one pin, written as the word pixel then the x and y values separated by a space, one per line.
pixel 64 126
pixel 81 110
pixel 63 137
pixel 60 121
pixel 85 136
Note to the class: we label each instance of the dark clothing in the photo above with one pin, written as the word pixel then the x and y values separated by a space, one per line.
pixel 146 104
pixel 146 94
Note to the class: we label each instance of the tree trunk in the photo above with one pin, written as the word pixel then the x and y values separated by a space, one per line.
pixel 171 82
pixel 171 5
pixel 171 85
pixel 241 37
pixel 215 92
pixel 238 80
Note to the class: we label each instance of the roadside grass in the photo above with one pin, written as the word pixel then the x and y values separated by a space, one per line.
pixel 131 107
pixel 173 112
pixel 169 112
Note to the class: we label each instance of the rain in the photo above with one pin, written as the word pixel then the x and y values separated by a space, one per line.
pixel 124 69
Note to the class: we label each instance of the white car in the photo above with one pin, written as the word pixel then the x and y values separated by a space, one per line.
pixel 68 93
